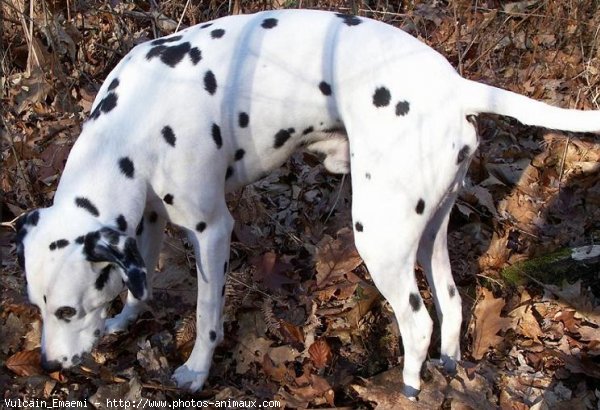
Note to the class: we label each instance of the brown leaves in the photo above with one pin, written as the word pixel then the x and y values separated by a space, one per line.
pixel 487 323
pixel 320 353
pixel 25 363
pixel 336 257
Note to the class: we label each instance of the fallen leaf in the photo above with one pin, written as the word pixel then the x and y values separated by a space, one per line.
pixel 523 319
pixel 25 363
pixel 385 389
pixel 320 353
pixel 335 257
pixel 269 269
pixel 488 323
pixel 275 372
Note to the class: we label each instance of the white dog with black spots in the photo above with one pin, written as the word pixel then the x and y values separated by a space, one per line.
pixel 186 118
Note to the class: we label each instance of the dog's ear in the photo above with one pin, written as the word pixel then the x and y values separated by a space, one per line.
pixel 110 245
pixel 23 225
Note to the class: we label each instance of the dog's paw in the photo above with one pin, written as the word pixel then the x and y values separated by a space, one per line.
pixel 188 379
pixel 116 324
pixel 448 364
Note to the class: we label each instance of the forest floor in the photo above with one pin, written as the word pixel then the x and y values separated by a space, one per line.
pixel 304 324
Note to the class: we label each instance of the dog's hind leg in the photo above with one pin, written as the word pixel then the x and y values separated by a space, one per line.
pixel 386 231
pixel 433 257
pixel 149 236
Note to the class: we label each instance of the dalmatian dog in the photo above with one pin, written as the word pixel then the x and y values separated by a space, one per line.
pixel 185 118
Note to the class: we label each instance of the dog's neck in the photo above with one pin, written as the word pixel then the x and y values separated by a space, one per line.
pixel 93 182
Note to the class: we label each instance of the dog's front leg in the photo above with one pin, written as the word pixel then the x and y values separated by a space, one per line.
pixel 211 244
pixel 149 236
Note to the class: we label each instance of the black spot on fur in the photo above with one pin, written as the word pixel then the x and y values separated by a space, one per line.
pixel 325 88
pixel 140 227
pixel 171 56
pixel 359 227
pixel 155 51
pixel 368 175
pixel 420 207
pixel 168 199
pixel 86 204
pixel 243 120
pixel 79 240
pixel 213 335
pixel 239 154
pixel 402 108
pixel 113 84
pixel 216 134
pixel 169 135
pixel 415 301
pixel 206 25
pixel 44 298
pixel 308 130
pixel 217 33
pixel 161 41
pixel 282 136
pixel 153 217
pixel 127 167
pixel 451 290
pixel 96 113
pixel 105 105
pixel 103 277
pixel 349 20
pixel 121 223
pixel 269 23
pixel 109 102
pixel 195 55
pixel 381 97
pixel 463 154
pixel 210 82
pixel 97 333
pixel 228 172
pixel 32 218
pixel 59 244
pixel 201 226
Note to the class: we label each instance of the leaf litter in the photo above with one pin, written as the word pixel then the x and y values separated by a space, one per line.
pixel 303 322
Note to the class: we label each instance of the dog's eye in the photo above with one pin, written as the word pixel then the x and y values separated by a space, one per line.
pixel 65 312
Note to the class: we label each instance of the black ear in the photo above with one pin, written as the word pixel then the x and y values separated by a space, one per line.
pixel 23 225
pixel 110 245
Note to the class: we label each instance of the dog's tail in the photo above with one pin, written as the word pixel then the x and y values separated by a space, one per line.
pixel 482 98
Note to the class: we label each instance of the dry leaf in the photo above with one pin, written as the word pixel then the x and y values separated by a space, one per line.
pixel 320 353
pixel 275 372
pixel 335 257
pixel 524 320
pixel 318 387
pixel 291 333
pixel 25 363
pixel 488 323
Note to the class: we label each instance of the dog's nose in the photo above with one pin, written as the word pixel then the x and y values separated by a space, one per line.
pixel 50 365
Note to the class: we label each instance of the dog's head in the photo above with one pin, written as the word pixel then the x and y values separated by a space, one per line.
pixel 74 268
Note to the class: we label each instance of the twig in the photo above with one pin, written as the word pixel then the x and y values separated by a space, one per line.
pixel 337 198
pixel 562 163
pixel 187 3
